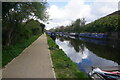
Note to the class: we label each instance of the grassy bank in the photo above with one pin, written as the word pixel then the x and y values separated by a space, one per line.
pixel 64 67
pixel 12 51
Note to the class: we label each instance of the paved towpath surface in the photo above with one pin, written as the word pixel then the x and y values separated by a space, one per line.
pixel 33 62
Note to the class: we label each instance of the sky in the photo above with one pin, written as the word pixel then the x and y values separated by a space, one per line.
pixel 64 12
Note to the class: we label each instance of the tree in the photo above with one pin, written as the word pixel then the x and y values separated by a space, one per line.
pixel 82 22
pixel 42 26
pixel 76 25
pixel 15 14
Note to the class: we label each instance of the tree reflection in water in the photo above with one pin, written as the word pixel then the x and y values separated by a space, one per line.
pixel 100 48
pixel 89 53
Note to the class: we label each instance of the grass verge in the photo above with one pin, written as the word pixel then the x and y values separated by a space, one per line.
pixel 12 51
pixel 63 66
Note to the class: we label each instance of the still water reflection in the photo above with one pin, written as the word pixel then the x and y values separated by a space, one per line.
pixel 87 53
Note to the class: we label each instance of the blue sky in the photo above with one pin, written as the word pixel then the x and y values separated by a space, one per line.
pixel 62 4
pixel 63 12
pixel 59 4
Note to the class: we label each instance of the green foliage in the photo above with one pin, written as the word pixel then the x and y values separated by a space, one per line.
pixel 12 51
pixel 64 67
pixel 42 27
pixel 104 24
pixel 74 27
pixel 20 25
pixel 33 27
pixel 15 14
pixel 40 10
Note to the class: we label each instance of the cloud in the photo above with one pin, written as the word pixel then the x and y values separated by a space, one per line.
pixel 75 9
pixel 101 8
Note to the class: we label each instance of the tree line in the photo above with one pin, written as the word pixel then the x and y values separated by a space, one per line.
pixel 105 24
pixel 20 20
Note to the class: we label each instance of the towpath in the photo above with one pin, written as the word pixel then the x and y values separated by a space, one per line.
pixel 33 62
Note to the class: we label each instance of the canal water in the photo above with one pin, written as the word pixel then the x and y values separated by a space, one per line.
pixel 87 52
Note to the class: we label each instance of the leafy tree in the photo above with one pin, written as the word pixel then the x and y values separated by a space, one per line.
pixel 15 14
pixel 76 25
pixel 42 26
pixel 105 24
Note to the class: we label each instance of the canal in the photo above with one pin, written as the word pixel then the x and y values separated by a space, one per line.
pixel 87 52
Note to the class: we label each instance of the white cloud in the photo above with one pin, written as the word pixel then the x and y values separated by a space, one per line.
pixel 101 8
pixel 79 9
pixel 76 9
pixel 55 12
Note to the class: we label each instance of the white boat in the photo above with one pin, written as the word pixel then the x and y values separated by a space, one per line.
pixel 98 74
